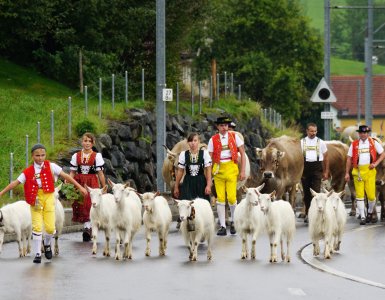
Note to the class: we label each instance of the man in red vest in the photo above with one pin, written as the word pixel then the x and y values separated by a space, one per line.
pixel 362 155
pixel 38 180
pixel 223 148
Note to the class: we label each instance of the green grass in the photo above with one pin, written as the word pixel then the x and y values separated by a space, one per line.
pixel 347 67
pixel 27 98
pixel 314 9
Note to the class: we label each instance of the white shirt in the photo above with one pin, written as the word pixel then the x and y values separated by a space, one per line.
pixel 99 162
pixel 311 149
pixel 206 159
pixel 363 151
pixel 225 153
pixel 54 168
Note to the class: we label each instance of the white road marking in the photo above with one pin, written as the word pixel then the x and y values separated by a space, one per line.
pixel 296 292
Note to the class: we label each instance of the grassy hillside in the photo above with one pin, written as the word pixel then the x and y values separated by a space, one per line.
pixel 26 99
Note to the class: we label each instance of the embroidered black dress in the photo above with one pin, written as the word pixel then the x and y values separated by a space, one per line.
pixel 194 182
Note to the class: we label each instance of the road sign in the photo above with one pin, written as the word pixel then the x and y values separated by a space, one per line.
pixel 323 93
pixel 327 115
pixel 167 95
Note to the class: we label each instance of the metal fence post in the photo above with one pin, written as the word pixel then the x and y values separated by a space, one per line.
pixel 200 97
pixel 126 87
pixel 38 132
pixel 192 96
pixel 142 84
pixel 69 117
pixel 26 151
pixel 217 86
pixel 232 83
pixel 100 98
pixel 52 129
pixel 225 84
pixel 239 92
pixel 86 101
pixel 11 174
pixel 113 91
pixel 211 90
pixel 177 98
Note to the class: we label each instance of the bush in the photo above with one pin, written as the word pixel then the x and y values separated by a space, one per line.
pixel 84 126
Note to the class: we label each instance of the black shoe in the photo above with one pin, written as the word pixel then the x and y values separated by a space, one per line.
pixel 232 228
pixel 369 218
pixel 363 221
pixel 48 252
pixel 87 234
pixel 222 231
pixel 37 259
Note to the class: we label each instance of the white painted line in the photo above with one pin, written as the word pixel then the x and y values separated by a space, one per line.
pixel 307 256
pixel 296 292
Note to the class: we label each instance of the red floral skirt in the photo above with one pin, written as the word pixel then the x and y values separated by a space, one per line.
pixel 81 210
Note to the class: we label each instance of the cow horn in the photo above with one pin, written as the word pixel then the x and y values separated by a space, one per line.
pixel 169 151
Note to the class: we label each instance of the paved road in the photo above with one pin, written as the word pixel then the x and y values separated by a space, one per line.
pixel 355 273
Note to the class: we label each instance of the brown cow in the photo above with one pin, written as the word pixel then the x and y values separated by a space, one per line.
pixel 281 166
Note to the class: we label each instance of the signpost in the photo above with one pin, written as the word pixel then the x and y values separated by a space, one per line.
pixel 167 95
pixel 328 115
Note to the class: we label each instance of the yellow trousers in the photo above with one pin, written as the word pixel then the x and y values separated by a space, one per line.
pixel 226 182
pixel 43 212
pixel 368 183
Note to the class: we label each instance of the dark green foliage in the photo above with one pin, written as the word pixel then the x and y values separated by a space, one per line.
pixel 83 127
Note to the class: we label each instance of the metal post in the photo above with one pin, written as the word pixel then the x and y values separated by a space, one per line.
pixel 52 127
pixel 86 101
pixel 126 87
pixel 217 86
pixel 211 91
pixel 26 151
pixel 327 61
pixel 200 97
pixel 113 91
pixel 358 102
pixel 225 84
pixel 368 66
pixel 270 114
pixel 177 98
pixel 69 117
pixel 11 174
pixel 38 132
pixel 142 84
pixel 192 96
pixel 100 98
pixel 239 92
pixel 160 84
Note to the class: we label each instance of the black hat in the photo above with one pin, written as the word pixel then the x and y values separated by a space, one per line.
pixel 37 146
pixel 223 120
pixel 363 128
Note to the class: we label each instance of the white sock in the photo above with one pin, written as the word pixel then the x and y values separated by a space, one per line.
pixel 221 214
pixel 47 239
pixel 361 207
pixel 87 224
pixel 232 209
pixel 371 206
pixel 36 243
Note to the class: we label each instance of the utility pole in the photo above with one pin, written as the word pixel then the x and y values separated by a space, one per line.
pixel 327 62
pixel 160 85
pixel 368 66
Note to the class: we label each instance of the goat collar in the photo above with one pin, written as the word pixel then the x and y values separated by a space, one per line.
pixel 1 218
pixel 192 215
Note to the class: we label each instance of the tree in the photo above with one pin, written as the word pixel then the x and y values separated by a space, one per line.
pixel 268 45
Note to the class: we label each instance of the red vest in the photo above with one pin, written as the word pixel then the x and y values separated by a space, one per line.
pixel 90 162
pixel 217 145
pixel 31 187
pixel 372 151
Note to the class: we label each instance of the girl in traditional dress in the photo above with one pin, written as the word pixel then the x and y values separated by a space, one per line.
pixel 86 168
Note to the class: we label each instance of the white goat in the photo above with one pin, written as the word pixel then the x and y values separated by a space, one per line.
pixel 341 216
pixel 199 215
pixel 156 217
pixel 249 220
pixel 322 223
pixel 16 218
pixel 103 215
pixel 128 217
pixel 280 224
pixel 59 218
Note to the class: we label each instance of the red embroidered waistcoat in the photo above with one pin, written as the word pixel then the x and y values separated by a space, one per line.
pixel 372 151
pixel 217 145
pixel 31 187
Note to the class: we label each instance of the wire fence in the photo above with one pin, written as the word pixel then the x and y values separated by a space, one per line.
pixel 204 90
